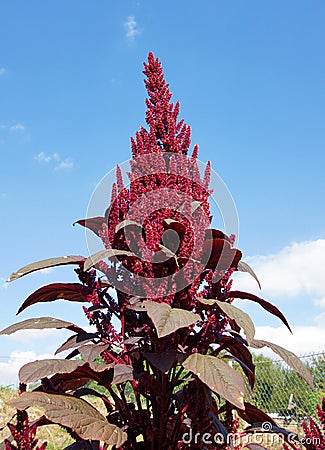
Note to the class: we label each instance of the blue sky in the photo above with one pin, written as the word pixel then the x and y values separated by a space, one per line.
pixel 250 78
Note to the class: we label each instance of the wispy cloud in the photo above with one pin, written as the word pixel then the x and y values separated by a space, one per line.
pixel 17 127
pixel 66 164
pixel 43 158
pixel 59 164
pixel 131 28
pixel 2 71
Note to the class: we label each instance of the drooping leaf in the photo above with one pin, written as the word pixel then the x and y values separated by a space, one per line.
pixel 74 413
pixel 218 376
pixel 95 224
pixel 244 267
pixel 89 352
pixel 126 223
pixel 45 264
pixel 122 373
pixel 40 323
pixel 74 292
pixel 290 358
pixel 76 341
pixel 219 254
pixel 240 317
pixel 251 414
pixel 265 304
pixel 37 370
pixel 101 255
pixel 166 319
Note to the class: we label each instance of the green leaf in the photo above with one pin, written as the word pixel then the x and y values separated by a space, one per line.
pixel 101 255
pixel 46 263
pixel 244 267
pixel 218 376
pixel 74 413
pixel 39 323
pixel 166 319
pixel 240 317
pixel 290 358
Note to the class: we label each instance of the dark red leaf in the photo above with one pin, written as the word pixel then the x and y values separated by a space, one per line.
pixel 266 305
pixel 251 414
pixel 219 254
pixel 76 341
pixel 248 372
pixel 212 233
pixel 74 292
pixel 94 224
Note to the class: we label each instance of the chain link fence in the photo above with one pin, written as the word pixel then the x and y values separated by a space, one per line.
pixel 282 393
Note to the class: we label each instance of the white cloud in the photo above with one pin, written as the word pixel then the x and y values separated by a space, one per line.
pixel 304 340
pixel 9 370
pixel 60 164
pixel 43 158
pixel 66 164
pixel 18 127
pixel 320 302
pixel 131 28
pixel 296 269
pixel 2 71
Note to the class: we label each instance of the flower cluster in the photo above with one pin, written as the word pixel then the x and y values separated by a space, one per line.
pixel 23 434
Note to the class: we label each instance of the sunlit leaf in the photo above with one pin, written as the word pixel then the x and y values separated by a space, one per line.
pixel 74 413
pixel 240 317
pixel 46 263
pixel 244 267
pixel 40 323
pixel 37 370
pixel 290 358
pixel 126 223
pixel 218 376
pixel 166 319
pixel 101 255
pixel 90 352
